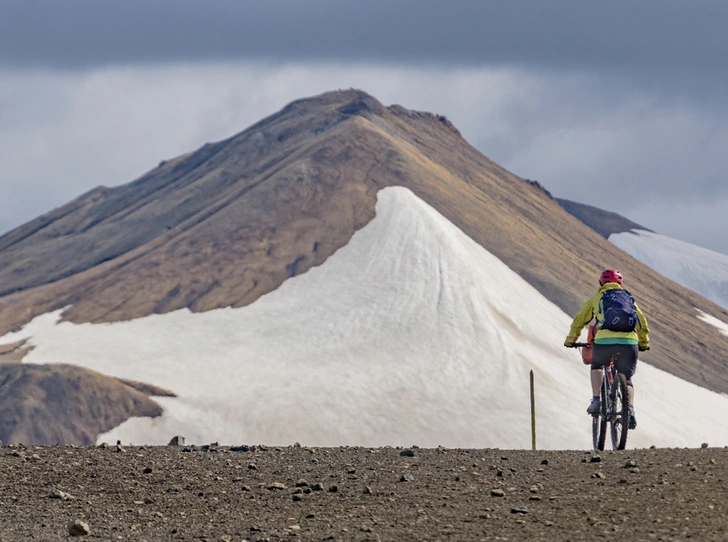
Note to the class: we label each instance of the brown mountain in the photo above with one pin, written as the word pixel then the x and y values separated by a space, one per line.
pixel 231 221
pixel 63 404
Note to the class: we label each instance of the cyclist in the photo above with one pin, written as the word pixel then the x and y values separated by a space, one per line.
pixel 623 346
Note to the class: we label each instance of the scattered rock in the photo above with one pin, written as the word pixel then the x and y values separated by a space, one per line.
pixel 104 445
pixel 296 497
pixel 407 453
pixel 598 475
pixel 177 440
pixel 58 494
pixel 333 488
pixel 147 470
pixel 78 528
pixel 497 493
pixel 533 489
pixel 367 491
pixel 629 464
pixel 252 466
pixel 171 489
pixel 241 448
pixel 634 470
pixel 704 445
pixel 406 478
pixel 534 498
pixel 545 462
pixel 302 483
pixel 519 510
pixel 186 449
pixel 277 485
pixel 595 459
pixel 316 487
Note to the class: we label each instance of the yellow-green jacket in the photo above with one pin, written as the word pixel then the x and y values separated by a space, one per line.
pixel 592 309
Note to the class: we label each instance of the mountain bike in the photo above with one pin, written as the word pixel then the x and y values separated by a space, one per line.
pixel 615 407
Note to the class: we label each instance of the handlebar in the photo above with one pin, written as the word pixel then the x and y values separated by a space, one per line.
pixel 580 345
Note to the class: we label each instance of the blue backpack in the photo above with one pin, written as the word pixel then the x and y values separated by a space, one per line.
pixel 618 310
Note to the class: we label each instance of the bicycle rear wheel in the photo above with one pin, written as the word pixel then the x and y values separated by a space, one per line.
pixel 599 421
pixel 619 419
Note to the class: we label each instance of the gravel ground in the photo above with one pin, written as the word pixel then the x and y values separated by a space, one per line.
pixel 272 493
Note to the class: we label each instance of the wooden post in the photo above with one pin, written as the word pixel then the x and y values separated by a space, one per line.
pixel 533 416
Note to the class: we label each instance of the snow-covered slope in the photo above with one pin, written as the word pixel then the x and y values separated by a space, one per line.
pixel 410 334
pixel 703 271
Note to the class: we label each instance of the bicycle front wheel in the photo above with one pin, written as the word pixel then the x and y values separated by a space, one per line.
pixel 599 421
pixel 619 418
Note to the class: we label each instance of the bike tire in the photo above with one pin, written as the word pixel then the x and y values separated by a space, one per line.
pixel 599 421
pixel 619 420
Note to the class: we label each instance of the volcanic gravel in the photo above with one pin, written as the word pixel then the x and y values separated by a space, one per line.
pixel 282 493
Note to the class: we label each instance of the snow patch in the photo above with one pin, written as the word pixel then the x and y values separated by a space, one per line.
pixel 713 321
pixel 410 334
pixel 699 269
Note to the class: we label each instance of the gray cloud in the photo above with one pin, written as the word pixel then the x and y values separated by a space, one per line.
pixel 649 34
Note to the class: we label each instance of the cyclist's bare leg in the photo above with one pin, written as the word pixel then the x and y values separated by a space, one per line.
pixel 596 382
pixel 630 394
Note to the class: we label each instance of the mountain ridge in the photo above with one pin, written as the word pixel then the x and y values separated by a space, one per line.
pixel 305 179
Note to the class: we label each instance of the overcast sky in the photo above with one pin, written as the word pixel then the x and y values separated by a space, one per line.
pixel 620 104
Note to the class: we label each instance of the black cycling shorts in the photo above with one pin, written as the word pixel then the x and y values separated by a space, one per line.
pixel 626 360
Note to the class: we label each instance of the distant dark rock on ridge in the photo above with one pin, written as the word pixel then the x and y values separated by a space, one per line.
pixel 605 223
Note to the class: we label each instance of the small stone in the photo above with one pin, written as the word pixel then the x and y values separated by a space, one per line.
pixel 171 489
pixel 252 466
pixel 351 471
pixel 497 493
pixel 693 468
pixel 534 498
pixel 595 459
pixel 104 445
pixel 545 462
pixel 296 497
pixel 629 464
pixel 316 487
pixel 177 440
pixel 712 461
pixel 367 491
pixel 406 478
pixel 704 445
pixel 78 528
pixel 120 448
pixel 519 510
pixel 277 485
pixel 295 527
pixel 310 516
pixel 499 473
pixel 634 470
pixel 58 494
pixel 186 449
pixel 548 523
pixel 598 475
pixel 147 470
pixel 333 488
pixel 302 483
pixel 241 448
pixel 407 453
pixel 245 488
pixel 533 489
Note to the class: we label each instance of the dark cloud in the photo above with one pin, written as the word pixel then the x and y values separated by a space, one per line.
pixel 654 34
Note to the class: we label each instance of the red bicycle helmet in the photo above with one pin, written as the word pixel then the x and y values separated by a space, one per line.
pixel 610 275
